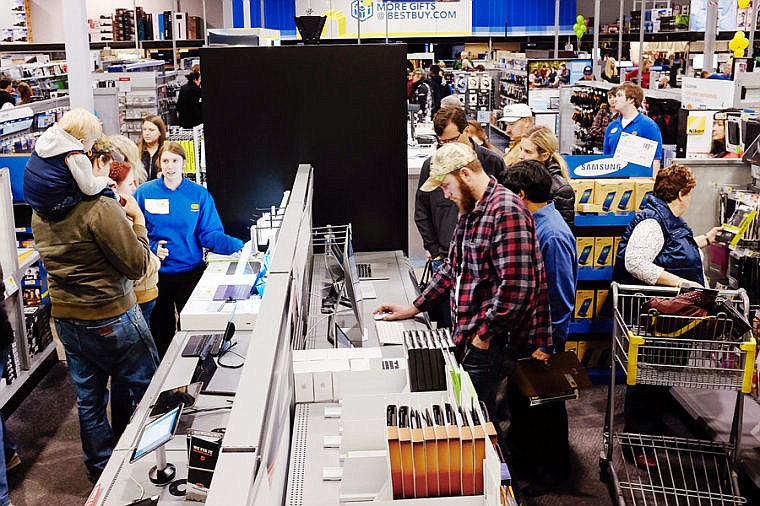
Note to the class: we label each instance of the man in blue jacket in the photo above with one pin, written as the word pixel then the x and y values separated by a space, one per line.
pixel 531 181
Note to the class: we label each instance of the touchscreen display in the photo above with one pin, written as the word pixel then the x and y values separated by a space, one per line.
pixel 156 433
pixel 170 399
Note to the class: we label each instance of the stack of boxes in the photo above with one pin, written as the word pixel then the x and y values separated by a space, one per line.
pixel 124 25
pixel 101 29
pixel 598 253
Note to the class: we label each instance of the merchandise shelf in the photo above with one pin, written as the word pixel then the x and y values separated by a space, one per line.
pixel 590 326
pixel 603 220
pixel 594 273
pixel 27 257
pixel 8 391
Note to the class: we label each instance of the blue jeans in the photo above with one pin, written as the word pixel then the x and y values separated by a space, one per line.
pixel 147 309
pixel 8 446
pixel 121 348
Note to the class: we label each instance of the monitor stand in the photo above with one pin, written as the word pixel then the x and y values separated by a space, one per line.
pixel 163 472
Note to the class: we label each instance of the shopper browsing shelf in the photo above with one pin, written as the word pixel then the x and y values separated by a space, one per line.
pixel 59 174
pixel 543 444
pixel 6 93
pixel 518 119
pixel 8 457
pixel 494 262
pixel 540 144
pixel 131 153
pixel 439 87
pixel 436 216
pixel 151 142
pixel 93 255
pixel 25 93
pixel 659 248
pixel 189 100
pixel 628 99
pixel 422 93
pixel 610 72
pixel 146 288
pixel 181 213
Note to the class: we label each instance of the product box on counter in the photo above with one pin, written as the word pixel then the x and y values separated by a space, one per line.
pixel 643 189
pixel 584 192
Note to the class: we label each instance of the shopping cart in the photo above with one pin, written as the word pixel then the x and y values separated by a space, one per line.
pixel 690 352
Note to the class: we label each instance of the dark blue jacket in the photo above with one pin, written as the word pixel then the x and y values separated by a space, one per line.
pixel 49 186
pixel 680 253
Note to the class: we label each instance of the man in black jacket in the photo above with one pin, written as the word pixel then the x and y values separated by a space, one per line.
pixel 439 87
pixel 434 214
pixel 6 92
pixel 189 100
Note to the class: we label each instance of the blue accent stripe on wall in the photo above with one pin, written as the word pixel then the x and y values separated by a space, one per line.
pixel 237 14
pixel 255 6
pixel 489 17
pixel 538 15
pixel 278 15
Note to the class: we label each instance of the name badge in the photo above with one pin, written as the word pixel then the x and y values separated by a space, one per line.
pixel 157 206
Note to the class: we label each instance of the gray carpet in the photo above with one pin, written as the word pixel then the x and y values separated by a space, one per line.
pixel 45 427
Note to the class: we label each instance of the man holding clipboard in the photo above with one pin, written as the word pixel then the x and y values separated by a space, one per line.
pixel 633 136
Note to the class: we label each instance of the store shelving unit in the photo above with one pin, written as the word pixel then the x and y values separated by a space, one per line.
pixel 142 92
pixel 22 362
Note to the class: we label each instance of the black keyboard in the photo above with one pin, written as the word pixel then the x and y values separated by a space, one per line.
pixel 198 343
pixel 365 270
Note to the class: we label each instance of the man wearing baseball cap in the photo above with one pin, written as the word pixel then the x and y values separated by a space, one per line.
pixel 518 119
pixel 494 271
pixel 588 73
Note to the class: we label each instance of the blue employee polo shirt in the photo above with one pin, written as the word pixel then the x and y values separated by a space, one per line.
pixel 641 125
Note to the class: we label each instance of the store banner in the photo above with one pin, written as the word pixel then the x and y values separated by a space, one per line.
pixel 598 166
pixel 699 93
pixel 396 19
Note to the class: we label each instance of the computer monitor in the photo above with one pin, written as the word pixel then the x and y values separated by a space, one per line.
pixel 351 284
pixel 156 434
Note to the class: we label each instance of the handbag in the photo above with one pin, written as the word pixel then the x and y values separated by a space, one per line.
pixel 427 274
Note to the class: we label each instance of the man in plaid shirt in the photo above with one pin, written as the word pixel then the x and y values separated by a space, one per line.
pixel 494 271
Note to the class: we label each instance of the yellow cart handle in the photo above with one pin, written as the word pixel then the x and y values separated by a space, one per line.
pixel 749 365
pixel 634 342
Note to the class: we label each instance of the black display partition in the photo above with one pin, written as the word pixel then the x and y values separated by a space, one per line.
pixel 340 108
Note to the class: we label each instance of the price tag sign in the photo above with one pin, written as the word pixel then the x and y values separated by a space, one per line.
pixel 10 286
pixel 636 150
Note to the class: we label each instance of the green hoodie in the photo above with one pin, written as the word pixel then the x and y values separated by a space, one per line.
pixel 92 256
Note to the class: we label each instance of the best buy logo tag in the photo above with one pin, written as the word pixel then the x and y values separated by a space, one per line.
pixel 195 208
pixel 695 125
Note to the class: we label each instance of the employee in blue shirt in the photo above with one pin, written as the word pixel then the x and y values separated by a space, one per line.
pixel 628 99
pixel 182 214
pixel 530 181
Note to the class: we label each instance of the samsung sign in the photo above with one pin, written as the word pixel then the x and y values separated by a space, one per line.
pixel 594 166
pixel 603 167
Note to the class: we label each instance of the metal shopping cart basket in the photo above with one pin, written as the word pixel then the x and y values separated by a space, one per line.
pixel 690 352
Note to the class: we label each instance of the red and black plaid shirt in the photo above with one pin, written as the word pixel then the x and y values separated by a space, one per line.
pixel 503 288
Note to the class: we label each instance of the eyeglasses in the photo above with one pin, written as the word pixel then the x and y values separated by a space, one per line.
pixel 453 139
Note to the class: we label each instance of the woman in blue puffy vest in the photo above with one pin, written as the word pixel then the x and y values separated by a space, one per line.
pixel 659 248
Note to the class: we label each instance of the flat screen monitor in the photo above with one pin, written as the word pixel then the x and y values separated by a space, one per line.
pixel 351 283
pixel 157 433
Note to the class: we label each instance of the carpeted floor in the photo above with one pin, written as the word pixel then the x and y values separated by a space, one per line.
pixel 46 429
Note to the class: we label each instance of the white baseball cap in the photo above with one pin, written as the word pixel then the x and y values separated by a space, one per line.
pixel 515 112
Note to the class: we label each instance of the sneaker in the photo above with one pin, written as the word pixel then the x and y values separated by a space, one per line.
pixel 12 463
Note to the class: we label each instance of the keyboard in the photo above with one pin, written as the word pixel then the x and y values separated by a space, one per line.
pixel 365 270
pixel 390 332
pixel 198 343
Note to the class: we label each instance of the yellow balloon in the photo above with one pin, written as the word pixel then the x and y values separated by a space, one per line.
pixel 744 43
pixel 733 45
pixel 739 53
pixel 743 3
pixel 739 35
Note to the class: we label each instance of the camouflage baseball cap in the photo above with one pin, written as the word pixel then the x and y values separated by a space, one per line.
pixel 450 157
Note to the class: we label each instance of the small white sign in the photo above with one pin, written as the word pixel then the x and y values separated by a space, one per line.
pixel 635 149
pixel 697 93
